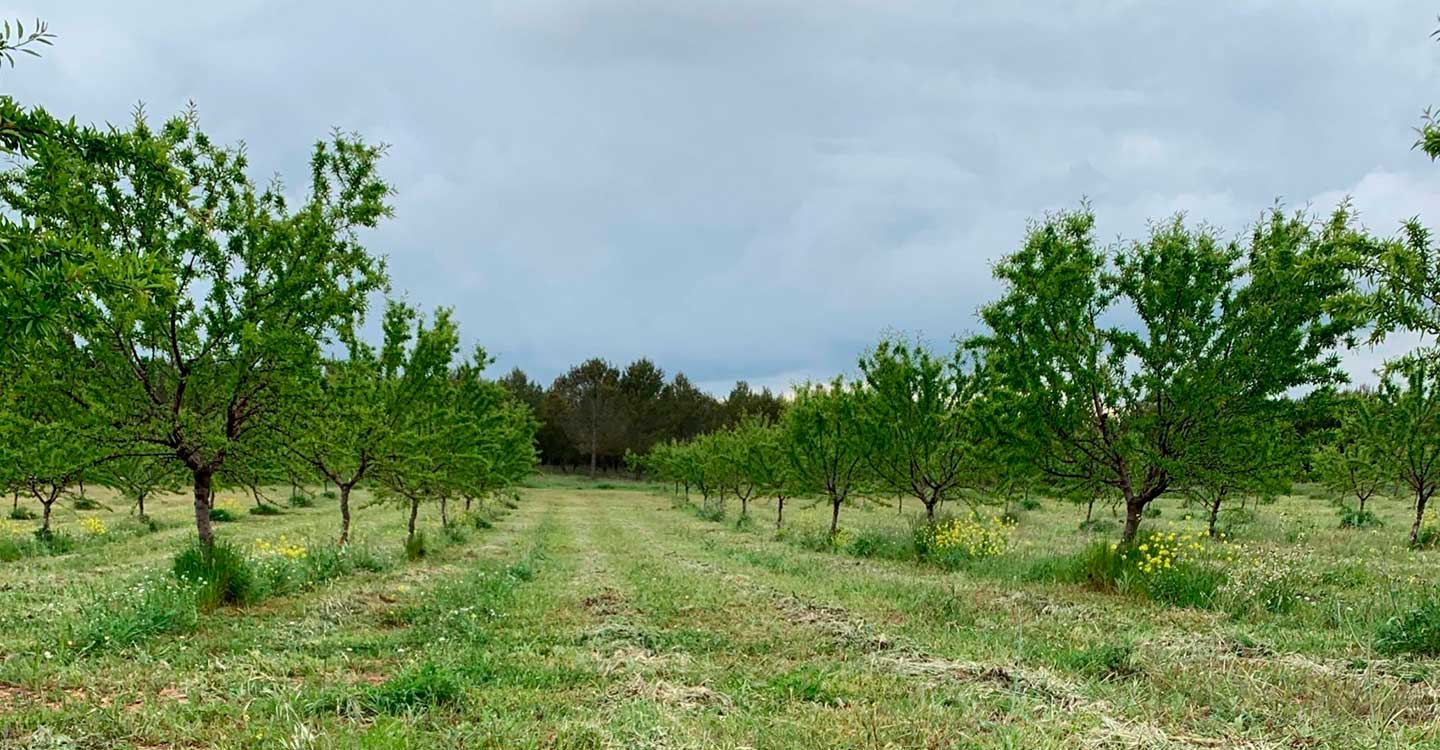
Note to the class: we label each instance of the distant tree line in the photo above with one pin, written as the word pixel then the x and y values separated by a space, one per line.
pixel 595 414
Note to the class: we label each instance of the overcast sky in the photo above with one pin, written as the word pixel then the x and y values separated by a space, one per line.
pixel 756 190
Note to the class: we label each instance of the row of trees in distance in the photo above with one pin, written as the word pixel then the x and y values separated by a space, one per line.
pixel 1183 363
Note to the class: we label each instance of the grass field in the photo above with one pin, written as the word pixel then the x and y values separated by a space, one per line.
pixel 602 615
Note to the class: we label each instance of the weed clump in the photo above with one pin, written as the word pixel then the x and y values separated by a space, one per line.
pixel 806 684
pixel 1354 518
pixel 953 542
pixel 427 686
pixel 1414 631
pixel 266 509
pixel 416 547
pixel 1107 661
pixel 220 573
pixel 152 607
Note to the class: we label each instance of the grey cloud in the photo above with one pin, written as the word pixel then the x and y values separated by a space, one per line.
pixel 755 189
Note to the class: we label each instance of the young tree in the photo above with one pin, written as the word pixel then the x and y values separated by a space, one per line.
pixel 136 478
pixel 732 449
pixel 1408 429
pixel 202 360
pixel 1352 463
pixel 420 451
pixel 916 422
pixel 765 461
pixel 353 406
pixel 1253 455
pixel 823 440
pixel 1118 366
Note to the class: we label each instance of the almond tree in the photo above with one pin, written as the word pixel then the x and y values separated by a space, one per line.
pixel 915 413
pixel 822 437
pixel 1408 429
pixel 353 406
pixel 1352 463
pixel 240 289
pixel 765 461
pixel 1119 364
pixel 417 462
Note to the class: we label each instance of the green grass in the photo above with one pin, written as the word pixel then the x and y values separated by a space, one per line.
pixel 590 618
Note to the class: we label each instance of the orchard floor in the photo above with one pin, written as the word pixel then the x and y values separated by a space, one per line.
pixel 600 616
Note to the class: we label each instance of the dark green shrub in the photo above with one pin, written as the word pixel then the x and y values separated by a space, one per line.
pixel 415 547
pixel 815 539
pixel 299 500
pixel 1234 520
pixel 1416 630
pixel 873 542
pixel 1029 503
pixel 1100 566
pixel 1099 526
pixel 478 521
pixel 711 512
pixel 54 542
pixel 1354 518
pixel 85 503
pixel 1428 537
pixel 266 509
pixel 13 548
pixel 330 495
pixel 325 562
pixel 221 515
pixel 22 513
pixel 1151 511
pixel 427 686
pixel 455 533
pixel 220 573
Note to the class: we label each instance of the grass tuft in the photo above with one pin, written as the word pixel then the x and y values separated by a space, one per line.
pixel 222 575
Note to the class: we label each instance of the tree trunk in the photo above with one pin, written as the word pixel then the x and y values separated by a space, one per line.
pixel 744 506
pixel 1090 509
pixel 1420 500
pixel 779 511
pixel 140 504
pixel 48 504
pixel 594 451
pixel 15 501
pixel 1215 512
pixel 444 512
pixel 204 501
pixel 410 529
pixel 344 513
pixel 1134 508
pixel 834 517
pixel 1362 503
pixel 930 509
